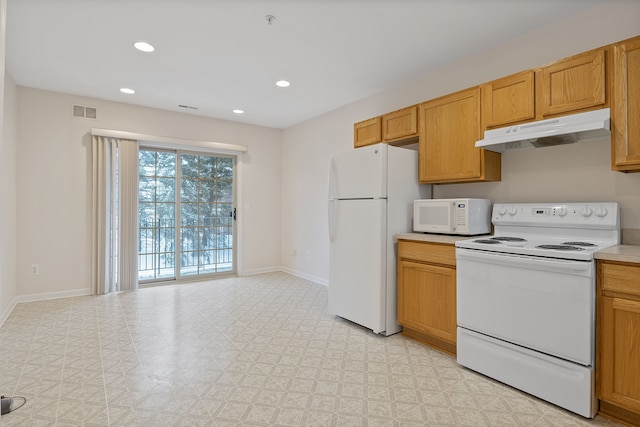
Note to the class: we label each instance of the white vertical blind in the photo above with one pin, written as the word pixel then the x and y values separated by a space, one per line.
pixel 115 215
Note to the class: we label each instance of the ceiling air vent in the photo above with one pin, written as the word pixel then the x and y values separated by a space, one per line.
pixel 86 112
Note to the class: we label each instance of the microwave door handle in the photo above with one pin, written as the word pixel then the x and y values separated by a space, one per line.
pixel 452 219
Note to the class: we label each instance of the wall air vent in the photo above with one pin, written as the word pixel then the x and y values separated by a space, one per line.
pixel 85 112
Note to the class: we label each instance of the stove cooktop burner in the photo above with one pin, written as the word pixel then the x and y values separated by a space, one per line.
pixel 509 239
pixel 561 247
pixel 488 241
pixel 585 244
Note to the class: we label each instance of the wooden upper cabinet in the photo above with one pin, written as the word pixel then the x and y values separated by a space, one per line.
pixel 625 106
pixel 449 129
pixel 367 132
pixel 508 100
pixel 400 124
pixel 572 84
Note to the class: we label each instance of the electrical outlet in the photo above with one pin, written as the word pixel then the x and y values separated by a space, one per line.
pixel 35 269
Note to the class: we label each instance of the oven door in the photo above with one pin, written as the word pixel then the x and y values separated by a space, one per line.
pixel 544 304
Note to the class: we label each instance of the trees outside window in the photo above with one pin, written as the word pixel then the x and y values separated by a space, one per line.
pixel 195 191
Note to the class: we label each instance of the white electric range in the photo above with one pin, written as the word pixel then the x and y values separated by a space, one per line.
pixel 526 298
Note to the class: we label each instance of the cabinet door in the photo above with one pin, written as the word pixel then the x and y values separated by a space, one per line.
pixel 619 355
pixel 367 132
pixel 572 84
pixel 427 299
pixel 449 129
pixel 400 124
pixel 508 100
pixel 625 112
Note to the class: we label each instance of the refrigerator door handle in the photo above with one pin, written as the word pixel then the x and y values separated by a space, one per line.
pixel 332 179
pixel 332 218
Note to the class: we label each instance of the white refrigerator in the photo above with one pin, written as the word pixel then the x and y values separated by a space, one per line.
pixel 371 194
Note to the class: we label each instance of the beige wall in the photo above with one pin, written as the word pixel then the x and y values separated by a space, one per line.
pixel 54 185
pixel 579 172
pixel 8 168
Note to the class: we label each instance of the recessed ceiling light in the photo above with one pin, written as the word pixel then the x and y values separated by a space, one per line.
pixel 238 111
pixel 127 91
pixel 144 47
pixel 283 83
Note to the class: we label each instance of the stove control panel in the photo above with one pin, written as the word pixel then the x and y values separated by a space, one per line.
pixel 596 215
pixel 555 211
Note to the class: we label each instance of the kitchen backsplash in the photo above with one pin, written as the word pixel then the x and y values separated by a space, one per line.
pixel 631 236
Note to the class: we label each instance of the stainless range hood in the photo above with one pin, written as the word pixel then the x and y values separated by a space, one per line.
pixel 546 133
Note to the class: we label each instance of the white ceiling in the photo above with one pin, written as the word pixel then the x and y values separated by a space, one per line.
pixel 218 55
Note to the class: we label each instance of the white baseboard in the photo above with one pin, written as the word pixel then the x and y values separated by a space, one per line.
pixel 300 274
pixel 4 316
pixel 309 277
pixel 255 271
pixel 54 295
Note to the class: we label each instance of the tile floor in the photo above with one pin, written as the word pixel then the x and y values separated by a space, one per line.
pixel 252 351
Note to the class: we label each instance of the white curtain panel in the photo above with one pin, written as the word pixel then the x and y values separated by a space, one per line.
pixel 115 215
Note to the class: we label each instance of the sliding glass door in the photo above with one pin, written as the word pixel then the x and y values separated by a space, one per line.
pixel 195 191
pixel 206 214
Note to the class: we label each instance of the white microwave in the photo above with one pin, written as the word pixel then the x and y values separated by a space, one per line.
pixel 452 216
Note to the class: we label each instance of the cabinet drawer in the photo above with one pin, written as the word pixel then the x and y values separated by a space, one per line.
pixel 620 278
pixel 427 252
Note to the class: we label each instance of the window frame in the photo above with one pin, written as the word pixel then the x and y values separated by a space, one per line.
pixel 180 150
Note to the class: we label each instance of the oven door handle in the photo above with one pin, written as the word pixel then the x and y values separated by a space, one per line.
pixel 582 268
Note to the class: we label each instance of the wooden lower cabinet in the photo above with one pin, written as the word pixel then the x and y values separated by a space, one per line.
pixel 618 341
pixel 427 293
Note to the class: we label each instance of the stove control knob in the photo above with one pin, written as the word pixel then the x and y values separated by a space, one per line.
pixel 562 211
pixel 601 212
pixel 502 211
pixel 513 211
pixel 586 212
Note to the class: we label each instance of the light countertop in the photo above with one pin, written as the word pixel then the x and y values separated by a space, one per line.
pixel 621 253
pixel 434 238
